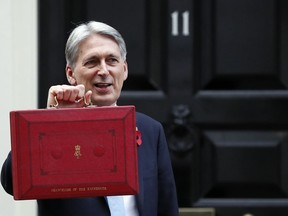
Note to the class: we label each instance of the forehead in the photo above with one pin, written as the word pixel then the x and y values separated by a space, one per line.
pixel 99 44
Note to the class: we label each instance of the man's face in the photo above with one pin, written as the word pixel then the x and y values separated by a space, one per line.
pixel 100 68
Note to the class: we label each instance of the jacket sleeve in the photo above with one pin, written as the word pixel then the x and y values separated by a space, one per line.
pixel 6 175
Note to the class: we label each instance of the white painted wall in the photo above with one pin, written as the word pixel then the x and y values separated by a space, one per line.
pixel 18 81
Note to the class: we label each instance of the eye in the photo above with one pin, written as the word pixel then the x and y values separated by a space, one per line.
pixel 90 63
pixel 112 60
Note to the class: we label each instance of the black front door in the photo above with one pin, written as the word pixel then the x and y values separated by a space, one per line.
pixel 215 74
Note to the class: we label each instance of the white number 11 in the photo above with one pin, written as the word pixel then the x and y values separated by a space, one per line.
pixel 175 22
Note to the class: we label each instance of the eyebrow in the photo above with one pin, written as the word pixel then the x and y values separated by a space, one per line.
pixel 97 56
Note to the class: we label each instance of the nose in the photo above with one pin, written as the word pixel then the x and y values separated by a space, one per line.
pixel 103 70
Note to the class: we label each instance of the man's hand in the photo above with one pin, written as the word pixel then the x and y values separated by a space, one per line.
pixel 67 96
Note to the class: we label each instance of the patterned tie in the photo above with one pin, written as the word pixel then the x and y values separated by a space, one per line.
pixel 116 205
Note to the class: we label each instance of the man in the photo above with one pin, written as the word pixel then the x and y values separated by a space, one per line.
pixel 96 69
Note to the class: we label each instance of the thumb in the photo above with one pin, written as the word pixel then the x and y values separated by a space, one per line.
pixel 88 101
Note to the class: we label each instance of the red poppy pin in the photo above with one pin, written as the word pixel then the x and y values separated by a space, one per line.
pixel 138 137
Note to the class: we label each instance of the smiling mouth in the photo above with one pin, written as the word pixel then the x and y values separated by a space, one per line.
pixel 102 85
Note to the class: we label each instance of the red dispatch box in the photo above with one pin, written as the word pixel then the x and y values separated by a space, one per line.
pixel 81 152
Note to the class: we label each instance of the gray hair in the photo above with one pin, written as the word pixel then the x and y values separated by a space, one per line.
pixel 83 31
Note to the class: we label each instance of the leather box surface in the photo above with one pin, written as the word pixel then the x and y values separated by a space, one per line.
pixel 82 152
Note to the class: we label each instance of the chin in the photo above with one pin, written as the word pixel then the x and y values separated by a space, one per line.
pixel 104 102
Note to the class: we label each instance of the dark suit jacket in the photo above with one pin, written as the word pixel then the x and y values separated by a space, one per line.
pixel 157 187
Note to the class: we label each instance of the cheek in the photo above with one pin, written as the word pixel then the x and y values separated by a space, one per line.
pixel 121 80
pixel 85 76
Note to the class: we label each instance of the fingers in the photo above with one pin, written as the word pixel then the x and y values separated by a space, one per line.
pixel 67 96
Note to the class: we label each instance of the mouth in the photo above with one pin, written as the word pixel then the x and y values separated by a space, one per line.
pixel 102 85
pixel 103 88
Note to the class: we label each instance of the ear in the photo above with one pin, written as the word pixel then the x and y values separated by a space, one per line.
pixel 125 70
pixel 70 75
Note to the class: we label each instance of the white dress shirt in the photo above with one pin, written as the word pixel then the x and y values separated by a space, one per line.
pixel 123 207
pixel 130 205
